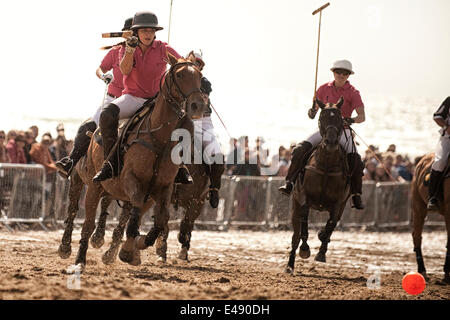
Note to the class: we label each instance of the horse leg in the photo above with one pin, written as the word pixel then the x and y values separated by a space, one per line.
pixel 76 186
pixel 296 224
pixel 419 213
pixel 304 252
pixel 129 253
pixel 110 255
pixel 447 256
pixel 162 216
pixel 93 196
pixel 161 241
pixel 325 234
pixel 98 238
pixel 186 227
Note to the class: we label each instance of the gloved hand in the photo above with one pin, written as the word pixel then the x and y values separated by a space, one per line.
pixel 348 121
pixel 312 112
pixel 205 86
pixel 132 42
pixel 107 78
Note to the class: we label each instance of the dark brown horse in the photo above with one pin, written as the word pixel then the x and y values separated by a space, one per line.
pixel 419 200
pixel 325 185
pixel 148 171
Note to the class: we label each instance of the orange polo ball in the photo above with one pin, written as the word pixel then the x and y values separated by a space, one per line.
pixel 413 283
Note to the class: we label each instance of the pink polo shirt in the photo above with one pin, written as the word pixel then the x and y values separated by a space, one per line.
pixel 112 61
pixel 352 99
pixel 148 68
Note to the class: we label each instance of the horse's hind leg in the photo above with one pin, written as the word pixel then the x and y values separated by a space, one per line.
pixel 110 255
pixel 76 186
pixel 296 224
pixel 304 252
pixel 419 211
pixel 186 227
pixel 447 256
pixel 92 198
pixel 98 238
pixel 129 253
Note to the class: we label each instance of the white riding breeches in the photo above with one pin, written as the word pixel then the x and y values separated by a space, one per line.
pixel 441 153
pixel 96 117
pixel 204 132
pixel 346 140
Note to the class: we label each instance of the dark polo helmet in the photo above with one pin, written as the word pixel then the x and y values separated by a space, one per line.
pixel 145 19
pixel 128 23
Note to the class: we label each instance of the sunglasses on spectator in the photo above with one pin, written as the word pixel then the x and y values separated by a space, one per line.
pixel 2 137
pixel 342 71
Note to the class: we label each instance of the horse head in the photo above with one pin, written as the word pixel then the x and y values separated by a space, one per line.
pixel 331 124
pixel 181 88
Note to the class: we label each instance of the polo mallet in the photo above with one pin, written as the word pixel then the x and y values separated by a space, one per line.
pixel 170 21
pixel 312 112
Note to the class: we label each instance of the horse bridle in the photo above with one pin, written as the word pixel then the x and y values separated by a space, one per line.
pixel 339 131
pixel 178 106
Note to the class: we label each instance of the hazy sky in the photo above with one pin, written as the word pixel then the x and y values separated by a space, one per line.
pixel 50 49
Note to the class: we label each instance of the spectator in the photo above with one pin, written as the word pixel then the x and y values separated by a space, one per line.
pixel 40 153
pixel 11 135
pixel 247 168
pixel 15 148
pixel 59 148
pixel 4 157
pixel 381 174
pixel 29 140
pixel 285 158
pixel 370 170
pixel 35 131
pixel 391 148
pixel 231 159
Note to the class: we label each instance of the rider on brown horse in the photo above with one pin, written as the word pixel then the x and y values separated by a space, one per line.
pixel 332 92
pixel 204 130
pixel 142 65
pixel 441 154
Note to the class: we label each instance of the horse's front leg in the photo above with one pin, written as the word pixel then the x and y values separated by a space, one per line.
pixel 304 252
pixel 296 225
pixel 186 227
pixel 325 233
pixel 98 238
pixel 110 255
pixel 76 187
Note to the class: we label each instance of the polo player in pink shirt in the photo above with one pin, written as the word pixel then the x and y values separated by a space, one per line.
pixel 115 87
pixel 142 66
pixel 331 92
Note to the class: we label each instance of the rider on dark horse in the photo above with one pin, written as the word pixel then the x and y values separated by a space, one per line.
pixel 441 153
pixel 204 131
pixel 331 92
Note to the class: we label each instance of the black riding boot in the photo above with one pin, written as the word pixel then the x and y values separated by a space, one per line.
pixel 80 147
pixel 356 167
pixel 183 176
pixel 298 153
pixel 435 179
pixel 109 122
pixel 216 170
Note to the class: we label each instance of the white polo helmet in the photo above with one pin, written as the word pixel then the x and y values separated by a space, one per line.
pixel 342 64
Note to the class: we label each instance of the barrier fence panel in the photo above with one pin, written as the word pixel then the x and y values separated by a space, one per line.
pixel 358 218
pixel 393 204
pixel 23 193
pixel 220 215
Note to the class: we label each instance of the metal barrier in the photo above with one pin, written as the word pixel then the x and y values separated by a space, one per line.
pixel 23 193
pixel 244 201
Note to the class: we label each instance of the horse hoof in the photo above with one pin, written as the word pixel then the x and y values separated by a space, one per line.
pixel 183 255
pixel 139 243
pixel 304 254
pixel 109 257
pixel 289 270
pixel 64 251
pixel 320 257
pixel 446 279
pixel 425 276
pixel 97 241
pixel 126 256
pixel 161 260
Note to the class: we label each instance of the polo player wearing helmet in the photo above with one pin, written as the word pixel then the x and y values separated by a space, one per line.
pixel 142 65
pixel 204 132
pixel 331 92
pixel 441 153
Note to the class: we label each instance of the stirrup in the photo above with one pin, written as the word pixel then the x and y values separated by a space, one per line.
pixel 433 204
pixel 183 177
pixel 287 188
pixel 105 173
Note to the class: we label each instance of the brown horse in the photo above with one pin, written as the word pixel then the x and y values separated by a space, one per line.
pixel 325 185
pixel 148 171
pixel 419 199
